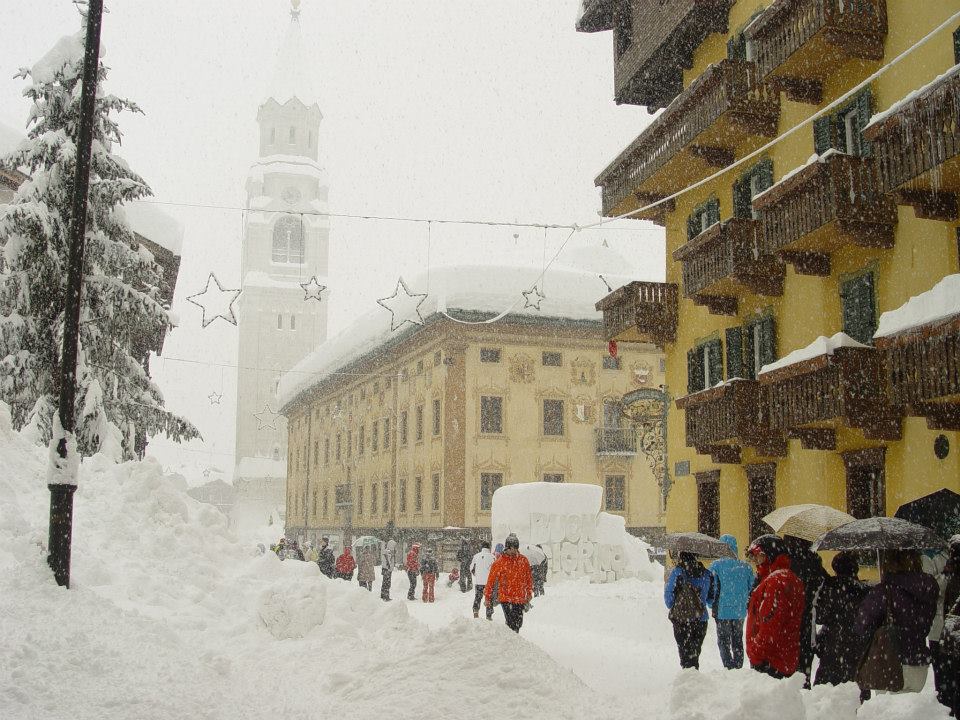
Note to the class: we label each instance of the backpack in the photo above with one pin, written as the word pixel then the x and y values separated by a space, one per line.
pixel 880 668
pixel 687 605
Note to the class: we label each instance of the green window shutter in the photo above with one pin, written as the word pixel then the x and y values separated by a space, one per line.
pixel 859 308
pixel 822 134
pixel 741 198
pixel 693 225
pixel 956 46
pixel 713 211
pixel 734 352
pixel 715 359
pixel 694 371
pixel 864 109
pixel 749 371
pixel 768 341
pixel 737 47
pixel 765 174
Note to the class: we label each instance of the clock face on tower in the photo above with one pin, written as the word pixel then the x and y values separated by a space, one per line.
pixel 290 195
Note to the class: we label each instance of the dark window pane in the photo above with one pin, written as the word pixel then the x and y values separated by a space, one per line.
pixel 553 477
pixel 491 414
pixel 489 483
pixel 490 355
pixel 614 493
pixel 552 359
pixel 611 363
pixel 553 417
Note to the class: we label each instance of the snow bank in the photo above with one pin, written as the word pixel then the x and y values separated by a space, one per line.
pixel 821 346
pixel 578 539
pixel 940 302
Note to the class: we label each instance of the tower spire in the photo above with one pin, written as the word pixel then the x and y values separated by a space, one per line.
pixel 295 9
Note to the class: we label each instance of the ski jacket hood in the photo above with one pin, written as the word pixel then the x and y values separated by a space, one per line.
pixel 731 542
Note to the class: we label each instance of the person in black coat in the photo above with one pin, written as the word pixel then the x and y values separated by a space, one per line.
pixel 835 611
pixel 325 560
pixel 807 566
pixel 464 557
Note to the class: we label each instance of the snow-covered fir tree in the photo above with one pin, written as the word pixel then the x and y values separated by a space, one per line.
pixel 121 298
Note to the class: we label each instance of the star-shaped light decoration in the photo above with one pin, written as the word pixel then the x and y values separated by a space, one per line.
pixel 313 289
pixel 216 302
pixel 206 473
pixel 215 398
pixel 532 298
pixel 404 306
pixel 266 418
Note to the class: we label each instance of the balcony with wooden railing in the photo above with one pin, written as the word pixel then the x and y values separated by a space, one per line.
pixel 798 43
pixel 917 149
pixel 922 358
pixel 720 421
pixel 830 203
pixel 724 263
pixel 641 312
pixel 814 397
pixel 722 114
pixel 616 441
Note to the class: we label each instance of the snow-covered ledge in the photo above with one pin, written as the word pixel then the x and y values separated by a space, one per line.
pixel 938 304
pixel 822 346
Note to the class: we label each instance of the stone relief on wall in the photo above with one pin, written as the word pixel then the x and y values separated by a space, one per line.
pixel 521 368
pixel 640 373
pixel 584 411
pixel 583 372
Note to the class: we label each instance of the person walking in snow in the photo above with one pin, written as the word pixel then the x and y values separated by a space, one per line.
pixel 345 564
pixel 734 583
pixel 464 557
pixel 775 611
pixel 429 569
pixel 480 568
pixel 689 591
pixel 808 566
pixel 387 558
pixel 835 610
pixel 946 668
pixel 511 575
pixel 312 554
pixel 412 566
pixel 365 569
pixel 325 559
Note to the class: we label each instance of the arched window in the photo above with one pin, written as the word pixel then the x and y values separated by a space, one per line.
pixel 288 240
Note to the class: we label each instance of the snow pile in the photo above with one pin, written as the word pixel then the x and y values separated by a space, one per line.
pixel 821 346
pixel 578 540
pixel 940 302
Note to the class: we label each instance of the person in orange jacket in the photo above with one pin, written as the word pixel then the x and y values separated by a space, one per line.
pixel 412 566
pixel 345 564
pixel 511 575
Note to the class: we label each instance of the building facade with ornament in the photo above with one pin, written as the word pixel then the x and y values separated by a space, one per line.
pixel 415 429
pixel 808 187
pixel 282 310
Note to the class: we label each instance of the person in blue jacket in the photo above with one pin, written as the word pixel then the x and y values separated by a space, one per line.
pixel 735 582
pixel 689 591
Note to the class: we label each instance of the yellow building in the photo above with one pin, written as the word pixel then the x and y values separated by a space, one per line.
pixel 845 217
pixel 417 428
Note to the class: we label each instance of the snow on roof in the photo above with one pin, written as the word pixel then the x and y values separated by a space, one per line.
pixel 815 158
pixel 260 467
pixel 940 302
pixel 491 289
pixel 821 346
pixel 910 97
pixel 289 164
pixel 149 221
pixel 291 76
pixel 10 139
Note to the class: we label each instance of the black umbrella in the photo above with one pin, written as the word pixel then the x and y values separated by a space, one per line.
pixel 697 544
pixel 880 533
pixel 939 511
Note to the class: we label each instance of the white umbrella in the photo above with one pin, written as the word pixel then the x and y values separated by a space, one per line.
pixel 808 521
pixel 533 554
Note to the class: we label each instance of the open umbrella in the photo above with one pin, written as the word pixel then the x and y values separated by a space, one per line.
pixel 939 511
pixel 807 521
pixel 366 541
pixel 697 544
pixel 880 533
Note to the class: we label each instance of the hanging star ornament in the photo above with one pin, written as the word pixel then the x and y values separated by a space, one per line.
pixel 537 298
pixel 313 289
pixel 404 306
pixel 216 302
pixel 266 419
pixel 215 398
pixel 206 473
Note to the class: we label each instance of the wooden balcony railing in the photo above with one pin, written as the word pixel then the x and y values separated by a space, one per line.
pixel 832 202
pixel 616 441
pixel 797 43
pixel 641 312
pixel 922 369
pixel 724 262
pixel 917 146
pixel 810 399
pixel 721 420
pixel 693 136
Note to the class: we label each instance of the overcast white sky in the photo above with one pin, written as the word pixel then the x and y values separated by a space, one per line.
pixel 447 109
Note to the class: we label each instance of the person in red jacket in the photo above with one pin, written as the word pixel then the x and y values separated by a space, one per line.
pixel 511 575
pixel 345 565
pixel 412 566
pixel 775 612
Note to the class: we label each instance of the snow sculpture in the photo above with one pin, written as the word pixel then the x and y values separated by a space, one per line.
pixel 578 539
